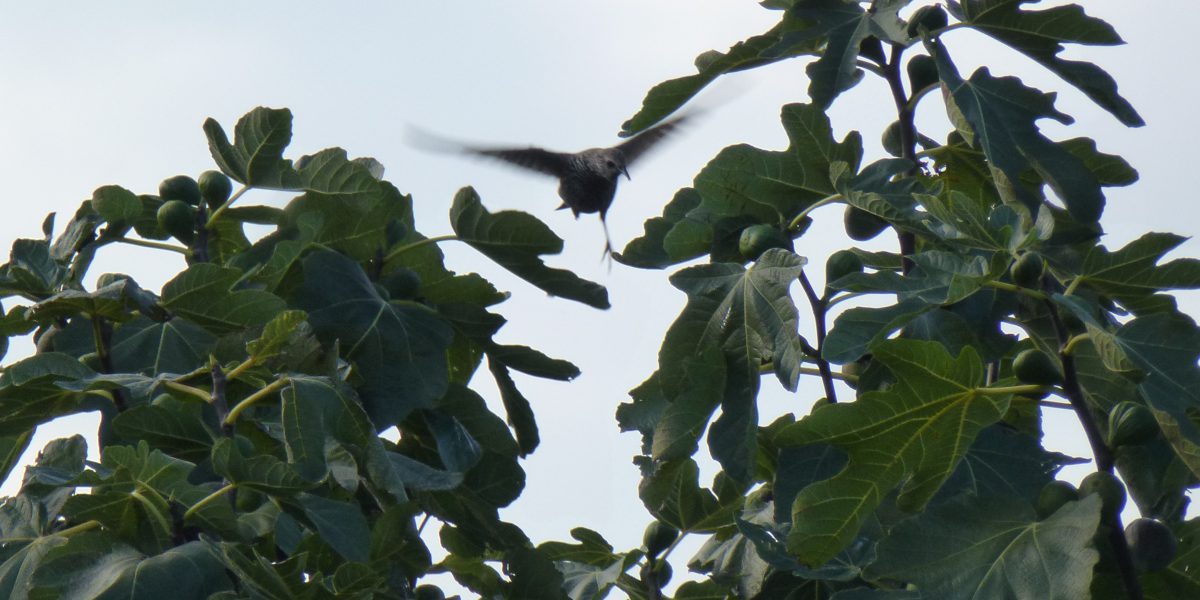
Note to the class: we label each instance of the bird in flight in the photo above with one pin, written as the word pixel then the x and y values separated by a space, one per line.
pixel 587 180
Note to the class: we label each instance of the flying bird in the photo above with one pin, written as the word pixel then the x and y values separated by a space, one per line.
pixel 587 180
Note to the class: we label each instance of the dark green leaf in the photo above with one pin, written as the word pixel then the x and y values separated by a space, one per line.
pixel 856 331
pixel 261 472
pixel 208 294
pixel 255 157
pixel 515 241
pixel 117 205
pixel 152 347
pixel 176 428
pixel 531 362
pixel 1132 272
pixel 912 434
pixel 842 27
pixel 1040 36
pixel 674 496
pixel 1013 554
pixel 399 347
pixel 1003 113
pixel 340 524
pixel 516 405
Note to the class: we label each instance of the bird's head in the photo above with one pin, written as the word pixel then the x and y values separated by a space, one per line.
pixel 611 162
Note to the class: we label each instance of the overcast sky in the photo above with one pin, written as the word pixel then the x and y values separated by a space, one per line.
pixel 98 93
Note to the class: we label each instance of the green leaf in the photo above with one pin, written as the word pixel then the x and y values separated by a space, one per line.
pixel 208 295
pixel 515 241
pixel 11 449
pixel 152 347
pixel 516 405
pixel 666 97
pixel 354 208
pixel 842 27
pixel 43 387
pixel 112 302
pixel 1011 554
pixel 856 331
pixel 1003 114
pixel 1132 272
pixel 18 568
pixel 94 565
pixel 674 496
pixel 531 362
pixel 745 183
pixel 255 157
pixel 912 434
pixel 399 348
pixel 31 270
pixel 117 205
pixel 340 524
pixel 261 472
pixel 176 428
pixel 1003 462
pixel 275 580
pixel 1040 35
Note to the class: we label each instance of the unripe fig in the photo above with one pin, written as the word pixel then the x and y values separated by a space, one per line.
pixel 180 187
pixel 215 188
pixel 1053 496
pixel 177 219
pixel 841 264
pixel 1111 490
pixel 929 17
pixel 1130 423
pixel 922 72
pixel 1151 543
pixel 862 225
pixel 1027 271
pixel 757 239
pixel 402 284
pixel 658 537
pixel 429 592
pixel 1036 367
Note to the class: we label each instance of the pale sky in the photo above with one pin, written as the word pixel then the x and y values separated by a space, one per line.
pixel 114 93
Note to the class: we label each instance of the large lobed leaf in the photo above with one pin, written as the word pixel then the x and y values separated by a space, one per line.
pixel 516 241
pixel 912 434
pixel 1040 35
pixel 993 547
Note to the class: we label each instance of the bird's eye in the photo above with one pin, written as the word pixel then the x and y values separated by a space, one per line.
pixel 611 164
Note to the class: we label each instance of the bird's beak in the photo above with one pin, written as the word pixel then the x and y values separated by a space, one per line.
pixel 626 172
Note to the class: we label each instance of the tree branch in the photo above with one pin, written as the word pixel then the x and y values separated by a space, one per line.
pixel 818 310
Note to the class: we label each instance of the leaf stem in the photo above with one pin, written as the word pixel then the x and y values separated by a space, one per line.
pixel 250 400
pixel 1069 347
pixel 212 219
pixel 1071 287
pixel 244 366
pixel 209 499
pixel 80 528
pixel 815 205
pixel 1008 287
pixel 152 510
pixel 418 244
pixel 189 390
pixel 158 245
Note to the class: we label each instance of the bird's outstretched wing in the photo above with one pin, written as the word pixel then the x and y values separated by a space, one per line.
pixel 640 143
pixel 532 158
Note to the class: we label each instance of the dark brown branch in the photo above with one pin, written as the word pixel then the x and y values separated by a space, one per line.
pixel 819 307
pixel 908 141
pixel 1102 454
